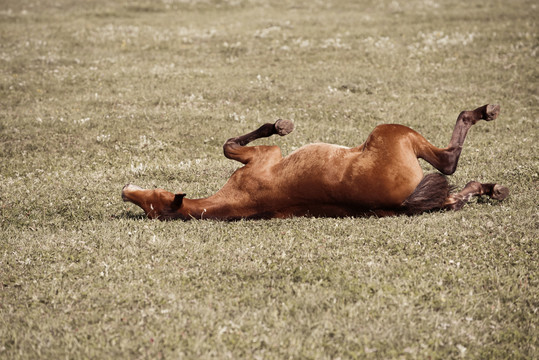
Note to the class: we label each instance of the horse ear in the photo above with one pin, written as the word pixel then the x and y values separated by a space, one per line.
pixel 178 199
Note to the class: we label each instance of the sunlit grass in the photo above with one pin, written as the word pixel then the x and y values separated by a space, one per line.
pixel 94 95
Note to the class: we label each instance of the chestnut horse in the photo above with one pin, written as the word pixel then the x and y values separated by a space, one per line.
pixel 380 177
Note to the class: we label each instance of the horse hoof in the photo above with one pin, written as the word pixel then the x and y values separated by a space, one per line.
pixel 284 127
pixel 492 112
pixel 499 192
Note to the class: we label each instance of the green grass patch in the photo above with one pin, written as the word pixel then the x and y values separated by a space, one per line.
pixel 94 95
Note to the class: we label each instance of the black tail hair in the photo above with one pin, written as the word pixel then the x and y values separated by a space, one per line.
pixel 430 194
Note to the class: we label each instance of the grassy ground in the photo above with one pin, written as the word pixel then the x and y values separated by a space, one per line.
pixel 96 94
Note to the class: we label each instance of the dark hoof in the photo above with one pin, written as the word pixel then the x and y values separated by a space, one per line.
pixel 499 192
pixel 491 112
pixel 284 127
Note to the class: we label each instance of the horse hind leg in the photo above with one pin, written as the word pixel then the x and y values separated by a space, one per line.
pixel 235 149
pixel 434 193
pixel 446 160
pixel 457 200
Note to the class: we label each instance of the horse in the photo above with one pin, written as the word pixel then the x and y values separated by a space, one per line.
pixel 381 177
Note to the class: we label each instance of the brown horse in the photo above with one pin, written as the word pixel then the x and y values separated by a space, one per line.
pixel 380 177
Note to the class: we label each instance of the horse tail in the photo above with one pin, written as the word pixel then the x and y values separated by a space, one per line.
pixel 430 194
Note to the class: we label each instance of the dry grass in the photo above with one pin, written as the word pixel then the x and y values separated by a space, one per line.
pixel 97 94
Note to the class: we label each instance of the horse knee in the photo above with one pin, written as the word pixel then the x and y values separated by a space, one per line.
pixel 234 151
pixel 449 160
pixel 228 148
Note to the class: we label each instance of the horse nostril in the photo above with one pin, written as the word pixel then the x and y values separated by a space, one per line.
pixel 124 197
pixel 128 188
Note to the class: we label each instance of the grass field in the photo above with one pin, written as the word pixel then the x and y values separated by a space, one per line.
pixel 97 94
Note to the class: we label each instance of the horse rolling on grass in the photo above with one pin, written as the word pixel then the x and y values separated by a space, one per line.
pixel 381 177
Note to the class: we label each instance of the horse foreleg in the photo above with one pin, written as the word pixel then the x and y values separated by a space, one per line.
pixel 235 149
pixel 457 200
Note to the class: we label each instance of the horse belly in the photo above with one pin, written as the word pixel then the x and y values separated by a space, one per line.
pixel 361 180
pixel 381 184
